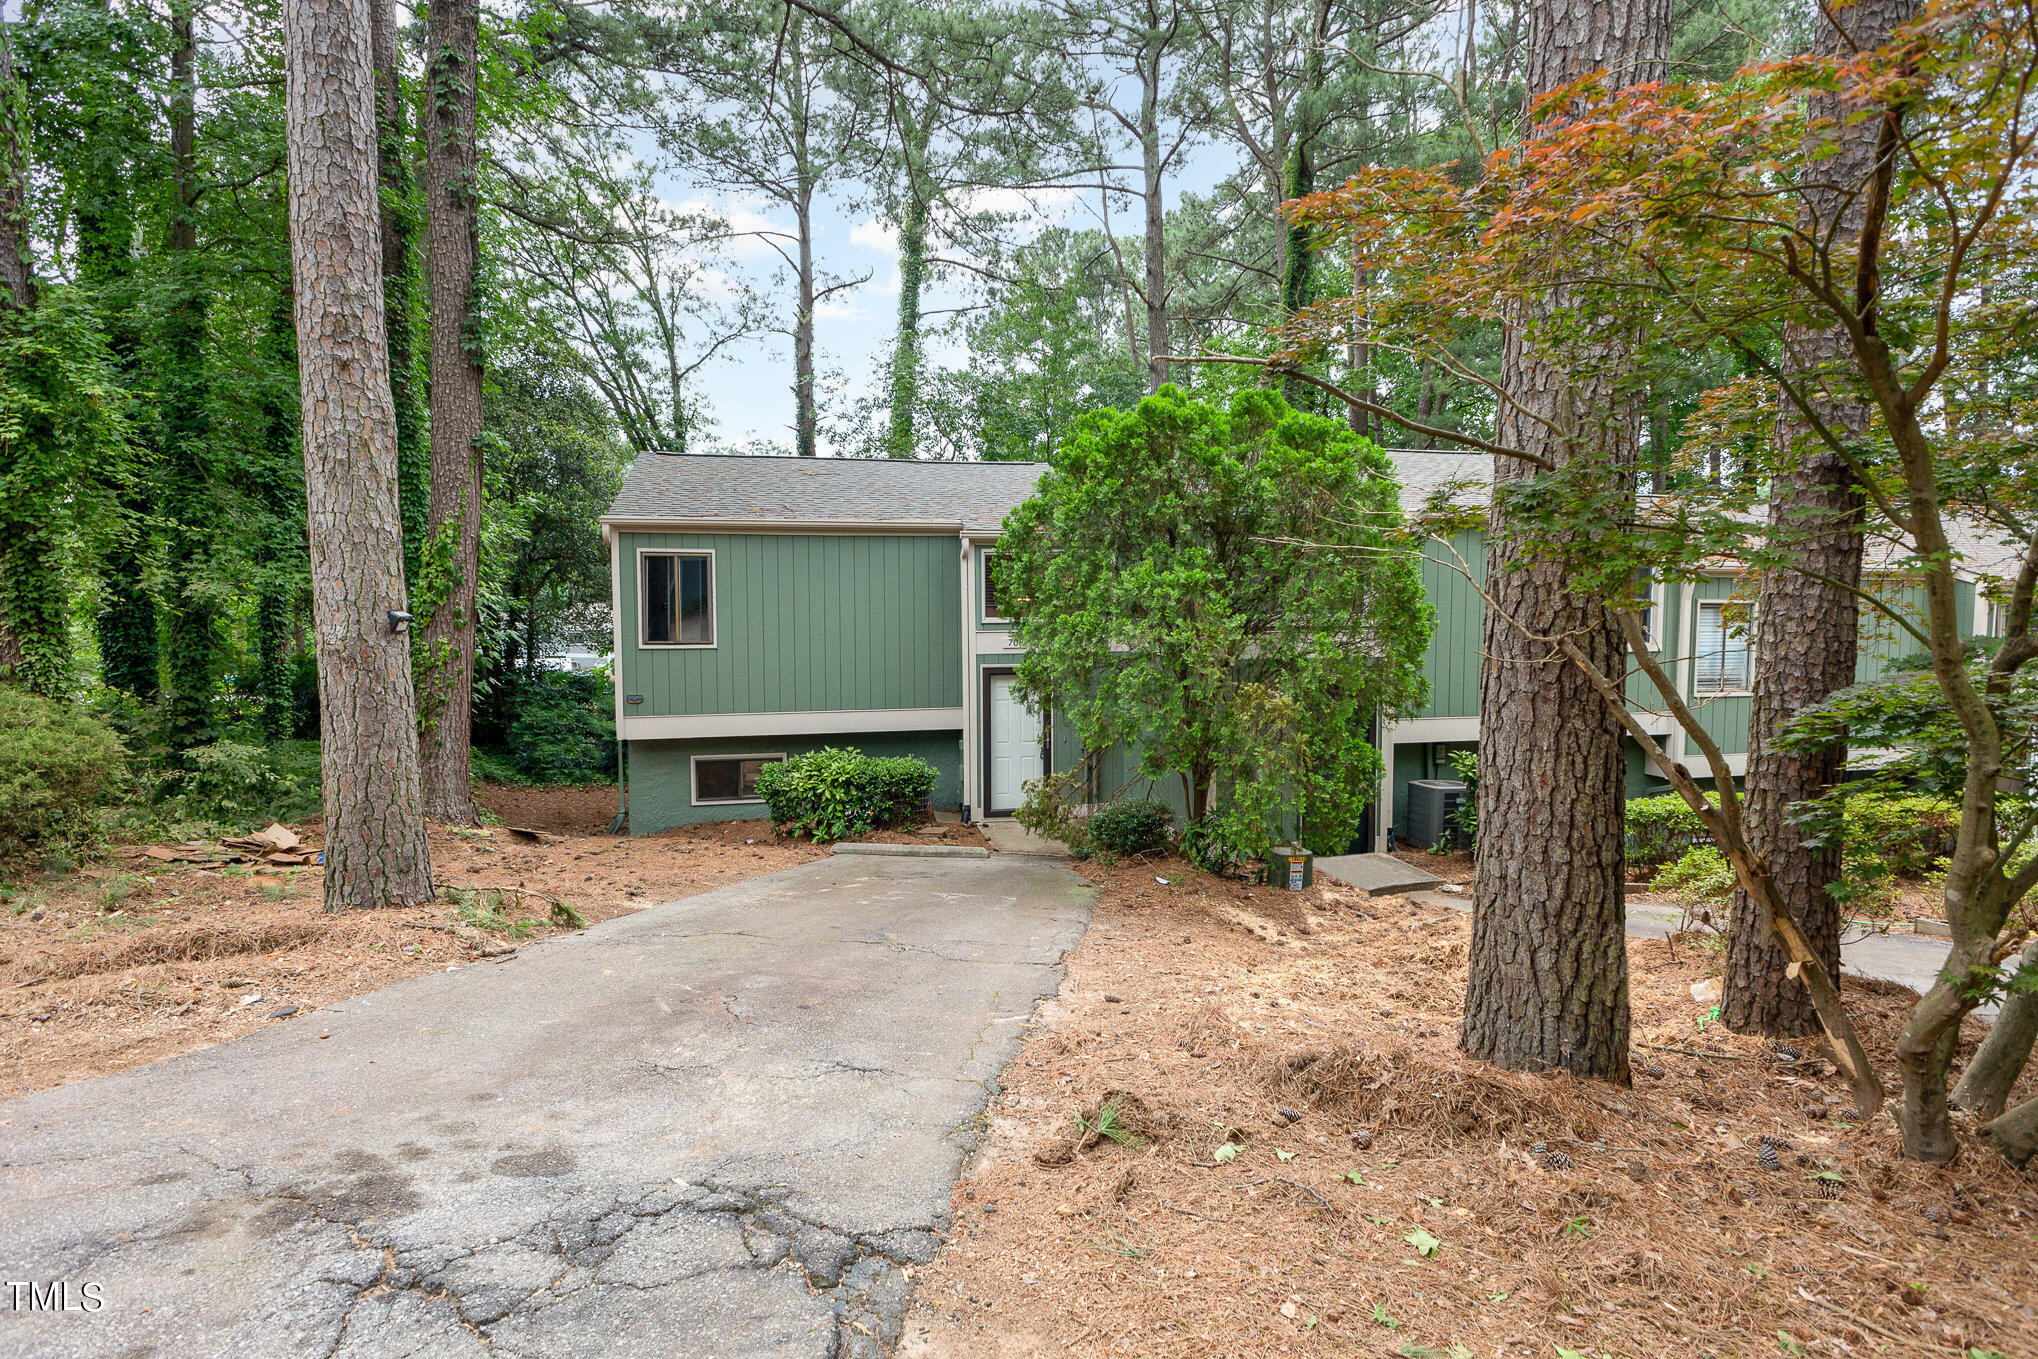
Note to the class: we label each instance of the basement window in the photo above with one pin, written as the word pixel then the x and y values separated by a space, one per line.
pixel 679 598
pixel 728 778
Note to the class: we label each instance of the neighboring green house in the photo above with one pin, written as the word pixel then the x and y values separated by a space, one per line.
pixel 768 605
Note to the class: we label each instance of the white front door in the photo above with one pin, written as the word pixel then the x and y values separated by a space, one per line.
pixel 1015 747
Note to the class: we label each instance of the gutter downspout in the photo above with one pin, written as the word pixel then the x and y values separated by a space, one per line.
pixel 614 541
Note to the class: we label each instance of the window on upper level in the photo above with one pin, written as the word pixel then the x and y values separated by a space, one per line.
pixel 993 613
pixel 679 598
pixel 1722 663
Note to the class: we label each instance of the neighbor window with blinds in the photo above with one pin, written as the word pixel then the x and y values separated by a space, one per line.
pixel 679 598
pixel 1721 663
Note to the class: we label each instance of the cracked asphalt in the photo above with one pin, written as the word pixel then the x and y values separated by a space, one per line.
pixel 724 1126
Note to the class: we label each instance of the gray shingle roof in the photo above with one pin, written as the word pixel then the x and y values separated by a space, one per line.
pixel 977 495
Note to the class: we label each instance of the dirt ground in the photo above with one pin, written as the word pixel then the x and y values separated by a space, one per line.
pixel 1308 1167
pixel 131 959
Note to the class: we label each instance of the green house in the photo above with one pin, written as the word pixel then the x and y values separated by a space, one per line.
pixel 765 606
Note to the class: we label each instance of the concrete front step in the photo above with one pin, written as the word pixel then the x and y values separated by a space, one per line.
pixel 913 851
pixel 1378 875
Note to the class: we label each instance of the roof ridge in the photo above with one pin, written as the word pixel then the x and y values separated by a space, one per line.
pixel 820 461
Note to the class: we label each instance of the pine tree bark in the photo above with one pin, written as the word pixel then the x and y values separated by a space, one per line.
pixel 193 632
pixel 454 548
pixel 376 851
pixel 1548 976
pixel 1154 247
pixel 899 429
pixel 399 231
pixel 1807 622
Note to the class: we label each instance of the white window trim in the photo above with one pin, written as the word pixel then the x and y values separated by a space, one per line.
pixel 714 599
pixel 984 614
pixel 1652 631
pixel 1698 607
pixel 694 779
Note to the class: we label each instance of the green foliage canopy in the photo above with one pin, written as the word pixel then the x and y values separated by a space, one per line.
pixel 1174 596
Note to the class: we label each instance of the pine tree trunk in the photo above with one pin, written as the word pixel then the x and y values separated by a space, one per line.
pixel 376 851
pixel 899 441
pixel 193 635
pixel 1984 1087
pixel 1298 265
pixel 446 700
pixel 1155 245
pixel 1807 623
pixel 806 419
pixel 1548 974
pixel 399 230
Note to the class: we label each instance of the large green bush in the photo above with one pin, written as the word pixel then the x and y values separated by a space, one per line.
pixel 834 792
pixel 558 727
pixel 57 766
pixel 1132 826
pixel 1701 874
pixel 1661 829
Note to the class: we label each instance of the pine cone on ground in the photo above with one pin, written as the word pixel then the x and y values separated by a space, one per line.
pixel 1767 1156
pixel 1555 1160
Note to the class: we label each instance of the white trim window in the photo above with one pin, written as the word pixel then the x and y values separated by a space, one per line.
pixel 1723 663
pixel 725 780
pixel 1649 596
pixel 987 589
pixel 676 594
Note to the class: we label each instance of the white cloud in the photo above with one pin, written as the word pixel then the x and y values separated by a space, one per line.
pixel 873 234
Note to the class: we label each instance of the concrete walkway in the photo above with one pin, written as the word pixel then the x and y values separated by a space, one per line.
pixel 720 1127
pixel 1910 959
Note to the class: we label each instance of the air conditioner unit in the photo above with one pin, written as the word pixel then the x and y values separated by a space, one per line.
pixel 1431 805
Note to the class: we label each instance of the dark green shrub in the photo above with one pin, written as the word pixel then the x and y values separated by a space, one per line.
pixel 1660 829
pixel 561 729
pixel 1701 874
pixel 1910 833
pixel 1132 826
pixel 834 793
pixel 57 766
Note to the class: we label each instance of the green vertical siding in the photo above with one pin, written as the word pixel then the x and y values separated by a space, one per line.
pixel 806 623
pixel 1452 665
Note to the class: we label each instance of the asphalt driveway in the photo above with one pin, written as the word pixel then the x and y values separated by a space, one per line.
pixel 719 1127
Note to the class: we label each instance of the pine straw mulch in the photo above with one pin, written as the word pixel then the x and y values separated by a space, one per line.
pixel 130 960
pixel 1202 1015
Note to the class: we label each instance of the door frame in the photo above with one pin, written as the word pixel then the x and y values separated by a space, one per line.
pixel 990 672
